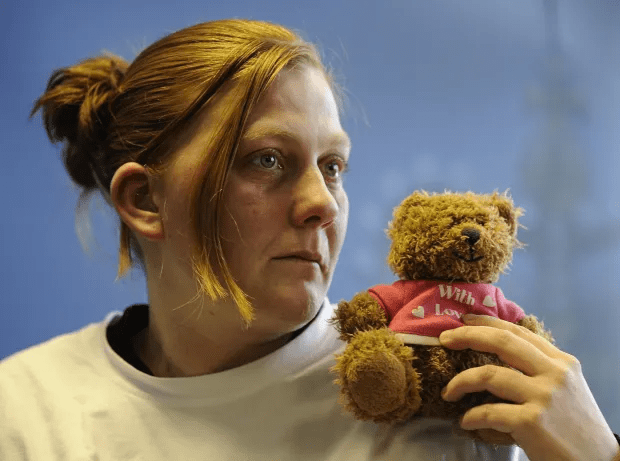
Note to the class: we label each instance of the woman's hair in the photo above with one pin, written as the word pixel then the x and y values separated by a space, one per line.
pixel 107 113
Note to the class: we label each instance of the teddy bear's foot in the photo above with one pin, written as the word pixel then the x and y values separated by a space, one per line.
pixel 379 385
pixel 494 437
pixel 490 436
pixel 377 379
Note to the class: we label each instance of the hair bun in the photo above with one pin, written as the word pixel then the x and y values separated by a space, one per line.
pixel 76 111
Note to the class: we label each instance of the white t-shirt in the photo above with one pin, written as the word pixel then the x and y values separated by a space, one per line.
pixel 73 398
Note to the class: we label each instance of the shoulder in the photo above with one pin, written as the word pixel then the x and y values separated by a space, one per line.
pixel 62 348
pixel 59 364
pixel 42 388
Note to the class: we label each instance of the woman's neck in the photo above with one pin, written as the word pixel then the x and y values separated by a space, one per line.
pixel 181 352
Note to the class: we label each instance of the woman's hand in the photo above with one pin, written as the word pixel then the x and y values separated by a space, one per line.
pixel 554 415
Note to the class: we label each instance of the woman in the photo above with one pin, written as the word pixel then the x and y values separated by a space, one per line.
pixel 221 149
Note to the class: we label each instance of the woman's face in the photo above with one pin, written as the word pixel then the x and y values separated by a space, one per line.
pixel 285 208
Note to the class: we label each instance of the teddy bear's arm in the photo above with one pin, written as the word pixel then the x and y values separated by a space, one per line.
pixel 362 313
pixel 533 324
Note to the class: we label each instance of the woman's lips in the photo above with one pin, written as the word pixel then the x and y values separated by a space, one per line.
pixel 307 257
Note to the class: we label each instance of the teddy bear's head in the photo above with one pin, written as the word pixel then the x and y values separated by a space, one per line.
pixel 453 236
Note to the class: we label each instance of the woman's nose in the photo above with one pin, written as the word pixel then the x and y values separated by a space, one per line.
pixel 313 202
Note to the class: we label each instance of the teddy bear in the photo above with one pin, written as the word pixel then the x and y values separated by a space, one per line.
pixel 447 250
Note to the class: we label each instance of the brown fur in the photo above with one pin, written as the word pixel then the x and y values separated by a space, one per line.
pixel 383 380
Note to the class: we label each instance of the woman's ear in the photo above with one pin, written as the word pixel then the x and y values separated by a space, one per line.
pixel 134 198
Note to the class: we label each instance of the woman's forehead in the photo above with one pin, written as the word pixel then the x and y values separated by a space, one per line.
pixel 299 99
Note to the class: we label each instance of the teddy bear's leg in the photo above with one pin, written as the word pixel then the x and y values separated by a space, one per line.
pixel 377 379
pixel 437 366
pixel 494 437
pixel 467 359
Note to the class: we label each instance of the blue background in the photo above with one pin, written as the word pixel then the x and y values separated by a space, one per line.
pixel 466 95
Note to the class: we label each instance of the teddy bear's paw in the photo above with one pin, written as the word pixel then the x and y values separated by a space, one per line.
pixel 379 385
pixel 362 313
pixel 536 326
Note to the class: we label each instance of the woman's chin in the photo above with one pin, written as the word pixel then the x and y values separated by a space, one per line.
pixel 288 310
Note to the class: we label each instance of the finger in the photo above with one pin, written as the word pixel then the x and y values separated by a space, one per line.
pixel 522 423
pixel 502 382
pixel 540 342
pixel 503 417
pixel 510 348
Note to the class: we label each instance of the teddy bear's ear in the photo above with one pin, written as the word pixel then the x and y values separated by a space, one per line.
pixel 405 210
pixel 416 198
pixel 507 210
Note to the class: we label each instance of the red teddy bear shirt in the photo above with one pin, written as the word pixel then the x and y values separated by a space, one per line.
pixel 419 310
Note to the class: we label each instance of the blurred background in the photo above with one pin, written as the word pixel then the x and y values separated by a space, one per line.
pixel 475 95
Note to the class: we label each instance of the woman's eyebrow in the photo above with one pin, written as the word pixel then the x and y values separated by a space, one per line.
pixel 339 138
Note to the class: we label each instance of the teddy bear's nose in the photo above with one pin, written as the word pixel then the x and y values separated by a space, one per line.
pixel 473 235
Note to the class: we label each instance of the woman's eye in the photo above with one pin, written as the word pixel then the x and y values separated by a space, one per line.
pixel 267 160
pixel 334 168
